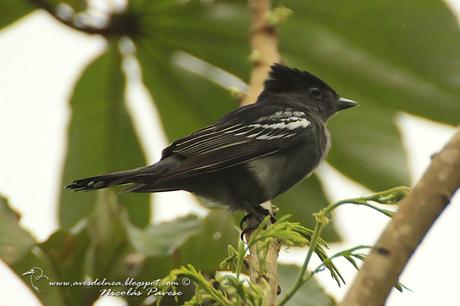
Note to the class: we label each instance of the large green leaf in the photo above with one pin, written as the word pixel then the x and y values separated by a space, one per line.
pixel 92 249
pixel 302 201
pixel 98 248
pixel 14 241
pixel 67 252
pixel 11 10
pixel 215 32
pixel 62 258
pixel 206 249
pixel 153 252
pixel 105 247
pixel 183 240
pixel 164 238
pixel 185 101
pixel 36 263
pixel 366 146
pixel 107 232
pixel 387 64
pixel 310 294
pixel 101 139
pixel 19 251
pixel 404 61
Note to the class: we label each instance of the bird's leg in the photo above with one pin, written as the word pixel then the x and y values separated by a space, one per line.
pixel 258 212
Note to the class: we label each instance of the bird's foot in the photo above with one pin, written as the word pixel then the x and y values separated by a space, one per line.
pixel 248 229
pixel 265 212
pixel 252 220
pixel 245 219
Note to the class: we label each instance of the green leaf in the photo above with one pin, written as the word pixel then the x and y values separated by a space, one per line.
pixel 164 238
pixel 190 26
pixel 67 252
pixel 19 252
pixel 402 61
pixel 14 241
pixel 310 294
pixel 366 135
pixel 184 239
pixel 108 237
pixel 185 101
pixel 101 139
pixel 36 259
pixel 11 10
pixel 206 249
pixel 367 147
pixel 302 201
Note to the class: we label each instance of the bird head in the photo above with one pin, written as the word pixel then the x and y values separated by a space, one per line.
pixel 309 91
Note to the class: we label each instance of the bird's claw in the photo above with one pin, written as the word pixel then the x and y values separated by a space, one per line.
pixel 245 219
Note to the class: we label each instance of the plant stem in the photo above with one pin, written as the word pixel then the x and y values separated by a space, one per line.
pixel 311 248
pixel 241 253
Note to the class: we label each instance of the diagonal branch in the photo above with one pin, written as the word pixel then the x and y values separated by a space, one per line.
pixel 417 213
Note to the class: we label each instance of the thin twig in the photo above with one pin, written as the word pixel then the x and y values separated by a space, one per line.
pixel 418 211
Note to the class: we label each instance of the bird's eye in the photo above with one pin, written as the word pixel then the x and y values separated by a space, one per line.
pixel 315 92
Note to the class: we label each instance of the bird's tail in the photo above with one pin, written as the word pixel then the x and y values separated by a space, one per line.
pixel 140 175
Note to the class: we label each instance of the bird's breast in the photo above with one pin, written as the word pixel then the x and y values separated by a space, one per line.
pixel 279 172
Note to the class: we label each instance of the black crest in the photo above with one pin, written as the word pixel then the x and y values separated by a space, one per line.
pixel 283 78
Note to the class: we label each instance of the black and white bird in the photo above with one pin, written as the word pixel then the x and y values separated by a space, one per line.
pixel 251 155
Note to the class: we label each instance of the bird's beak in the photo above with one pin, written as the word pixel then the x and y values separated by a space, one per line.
pixel 28 272
pixel 343 103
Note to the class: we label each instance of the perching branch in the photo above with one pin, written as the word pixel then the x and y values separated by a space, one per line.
pixel 263 40
pixel 417 213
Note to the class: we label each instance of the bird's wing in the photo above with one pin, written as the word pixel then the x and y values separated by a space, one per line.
pixel 231 142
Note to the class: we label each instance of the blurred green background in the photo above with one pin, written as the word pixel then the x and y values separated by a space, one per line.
pixel 391 56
